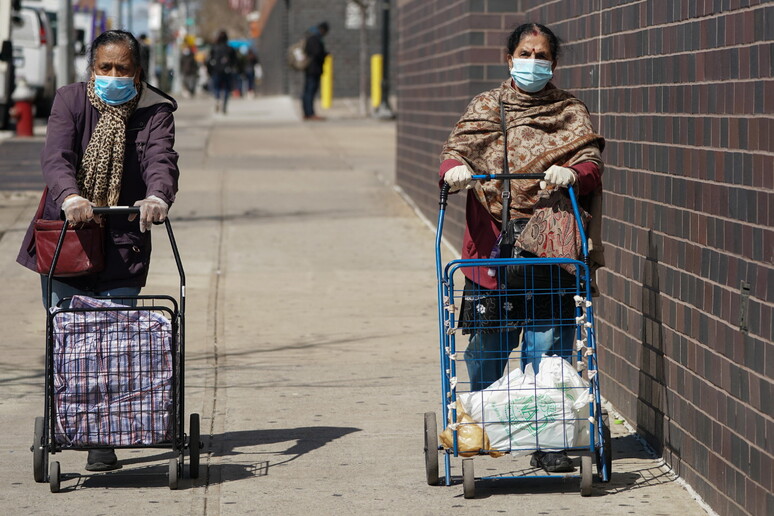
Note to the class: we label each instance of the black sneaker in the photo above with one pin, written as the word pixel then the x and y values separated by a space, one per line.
pixel 102 460
pixel 552 462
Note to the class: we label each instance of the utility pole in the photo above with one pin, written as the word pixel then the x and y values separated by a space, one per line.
pixel 65 66
pixel 384 111
pixel 161 46
pixel 118 6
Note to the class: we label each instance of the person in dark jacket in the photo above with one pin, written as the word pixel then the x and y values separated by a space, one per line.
pixel 222 66
pixel 315 52
pixel 145 52
pixel 189 69
pixel 109 142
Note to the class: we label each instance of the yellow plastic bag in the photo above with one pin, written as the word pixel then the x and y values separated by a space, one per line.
pixel 471 437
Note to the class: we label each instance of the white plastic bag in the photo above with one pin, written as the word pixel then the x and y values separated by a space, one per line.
pixel 524 412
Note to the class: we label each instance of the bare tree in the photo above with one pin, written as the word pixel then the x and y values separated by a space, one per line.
pixel 216 15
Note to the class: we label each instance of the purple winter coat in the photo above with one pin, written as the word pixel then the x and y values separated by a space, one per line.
pixel 150 168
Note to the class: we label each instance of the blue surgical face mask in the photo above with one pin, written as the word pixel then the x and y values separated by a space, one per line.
pixel 531 75
pixel 114 90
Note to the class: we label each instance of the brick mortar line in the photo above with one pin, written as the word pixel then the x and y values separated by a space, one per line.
pixel 686 432
pixel 688 337
pixel 689 19
pixel 682 303
pixel 639 114
pixel 683 146
pixel 660 461
pixel 641 57
pixel 706 479
pixel 689 402
pixel 689 210
pixel 687 178
pixel 676 268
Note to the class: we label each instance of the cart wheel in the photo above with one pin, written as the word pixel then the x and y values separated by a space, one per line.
pixel 468 479
pixel 194 445
pixel 174 473
pixel 607 450
pixel 39 452
pixel 585 484
pixel 54 476
pixel 431 449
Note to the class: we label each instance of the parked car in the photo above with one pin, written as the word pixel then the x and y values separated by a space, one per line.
pixel 8 10
pixel 33 55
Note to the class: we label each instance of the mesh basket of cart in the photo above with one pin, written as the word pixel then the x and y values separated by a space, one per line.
pixel 115 376
pixel 541 402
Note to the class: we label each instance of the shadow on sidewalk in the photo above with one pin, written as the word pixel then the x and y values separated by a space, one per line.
pixel 152 469
pixel 535 481
pixel 306 439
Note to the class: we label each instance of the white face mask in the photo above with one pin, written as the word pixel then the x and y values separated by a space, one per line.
pixel 531 75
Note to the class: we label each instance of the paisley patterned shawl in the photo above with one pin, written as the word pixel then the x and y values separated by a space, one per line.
pixel 549 128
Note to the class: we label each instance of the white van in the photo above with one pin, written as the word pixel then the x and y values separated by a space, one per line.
pixel 33 56
pixel 8 10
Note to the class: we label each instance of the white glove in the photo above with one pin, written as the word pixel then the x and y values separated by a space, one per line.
pixel 77 209
pixel 152 209
pixel 559 176
pixel 458 177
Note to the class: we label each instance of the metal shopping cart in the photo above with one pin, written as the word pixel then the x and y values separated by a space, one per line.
pixel 540 403
pixel 115 376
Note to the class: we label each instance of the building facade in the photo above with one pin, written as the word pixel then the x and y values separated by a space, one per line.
pixel 684 94
pixel 283 22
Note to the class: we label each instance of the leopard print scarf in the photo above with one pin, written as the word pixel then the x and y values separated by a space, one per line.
pixel 100 171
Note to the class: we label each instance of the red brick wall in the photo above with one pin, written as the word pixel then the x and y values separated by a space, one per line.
pixel 447 52
pixel 684 93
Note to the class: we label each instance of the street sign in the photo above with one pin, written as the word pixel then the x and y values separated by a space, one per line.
pixel 154 16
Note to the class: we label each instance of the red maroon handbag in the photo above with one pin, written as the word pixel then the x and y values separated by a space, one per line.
pixel 82 251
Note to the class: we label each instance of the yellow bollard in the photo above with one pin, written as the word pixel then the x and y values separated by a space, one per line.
pixel 326 83
pixel 377 65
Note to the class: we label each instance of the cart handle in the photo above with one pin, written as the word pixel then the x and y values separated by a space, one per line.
pixel 445 186
pixel 119 210
pixel 115 210
pixel 445 196
pixel 533 175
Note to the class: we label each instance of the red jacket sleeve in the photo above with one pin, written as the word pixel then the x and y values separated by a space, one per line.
pixel 589 177
pixel 446 165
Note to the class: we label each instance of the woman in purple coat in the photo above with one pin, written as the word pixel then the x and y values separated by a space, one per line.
pixel 109 142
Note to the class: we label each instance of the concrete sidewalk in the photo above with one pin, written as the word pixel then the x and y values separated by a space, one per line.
pixel 311 350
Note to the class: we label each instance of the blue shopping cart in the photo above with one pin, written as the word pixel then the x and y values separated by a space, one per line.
pixel 540 403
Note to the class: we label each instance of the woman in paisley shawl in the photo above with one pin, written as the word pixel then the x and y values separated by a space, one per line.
pixel 548 132
pixel 109 142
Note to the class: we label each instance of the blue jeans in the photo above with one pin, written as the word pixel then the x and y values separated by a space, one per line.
pixel 311 85
pixel 222 85
pixel 61 290
pixel 487 354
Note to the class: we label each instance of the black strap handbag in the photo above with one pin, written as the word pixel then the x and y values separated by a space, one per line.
pixel 522 277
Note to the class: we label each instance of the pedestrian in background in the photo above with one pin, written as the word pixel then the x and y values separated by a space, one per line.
pixel 548 131
pixel 189 69
pixel 315 52
pixel 96 155
pixel 145 52
pixel 250 69
pixel 222 66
